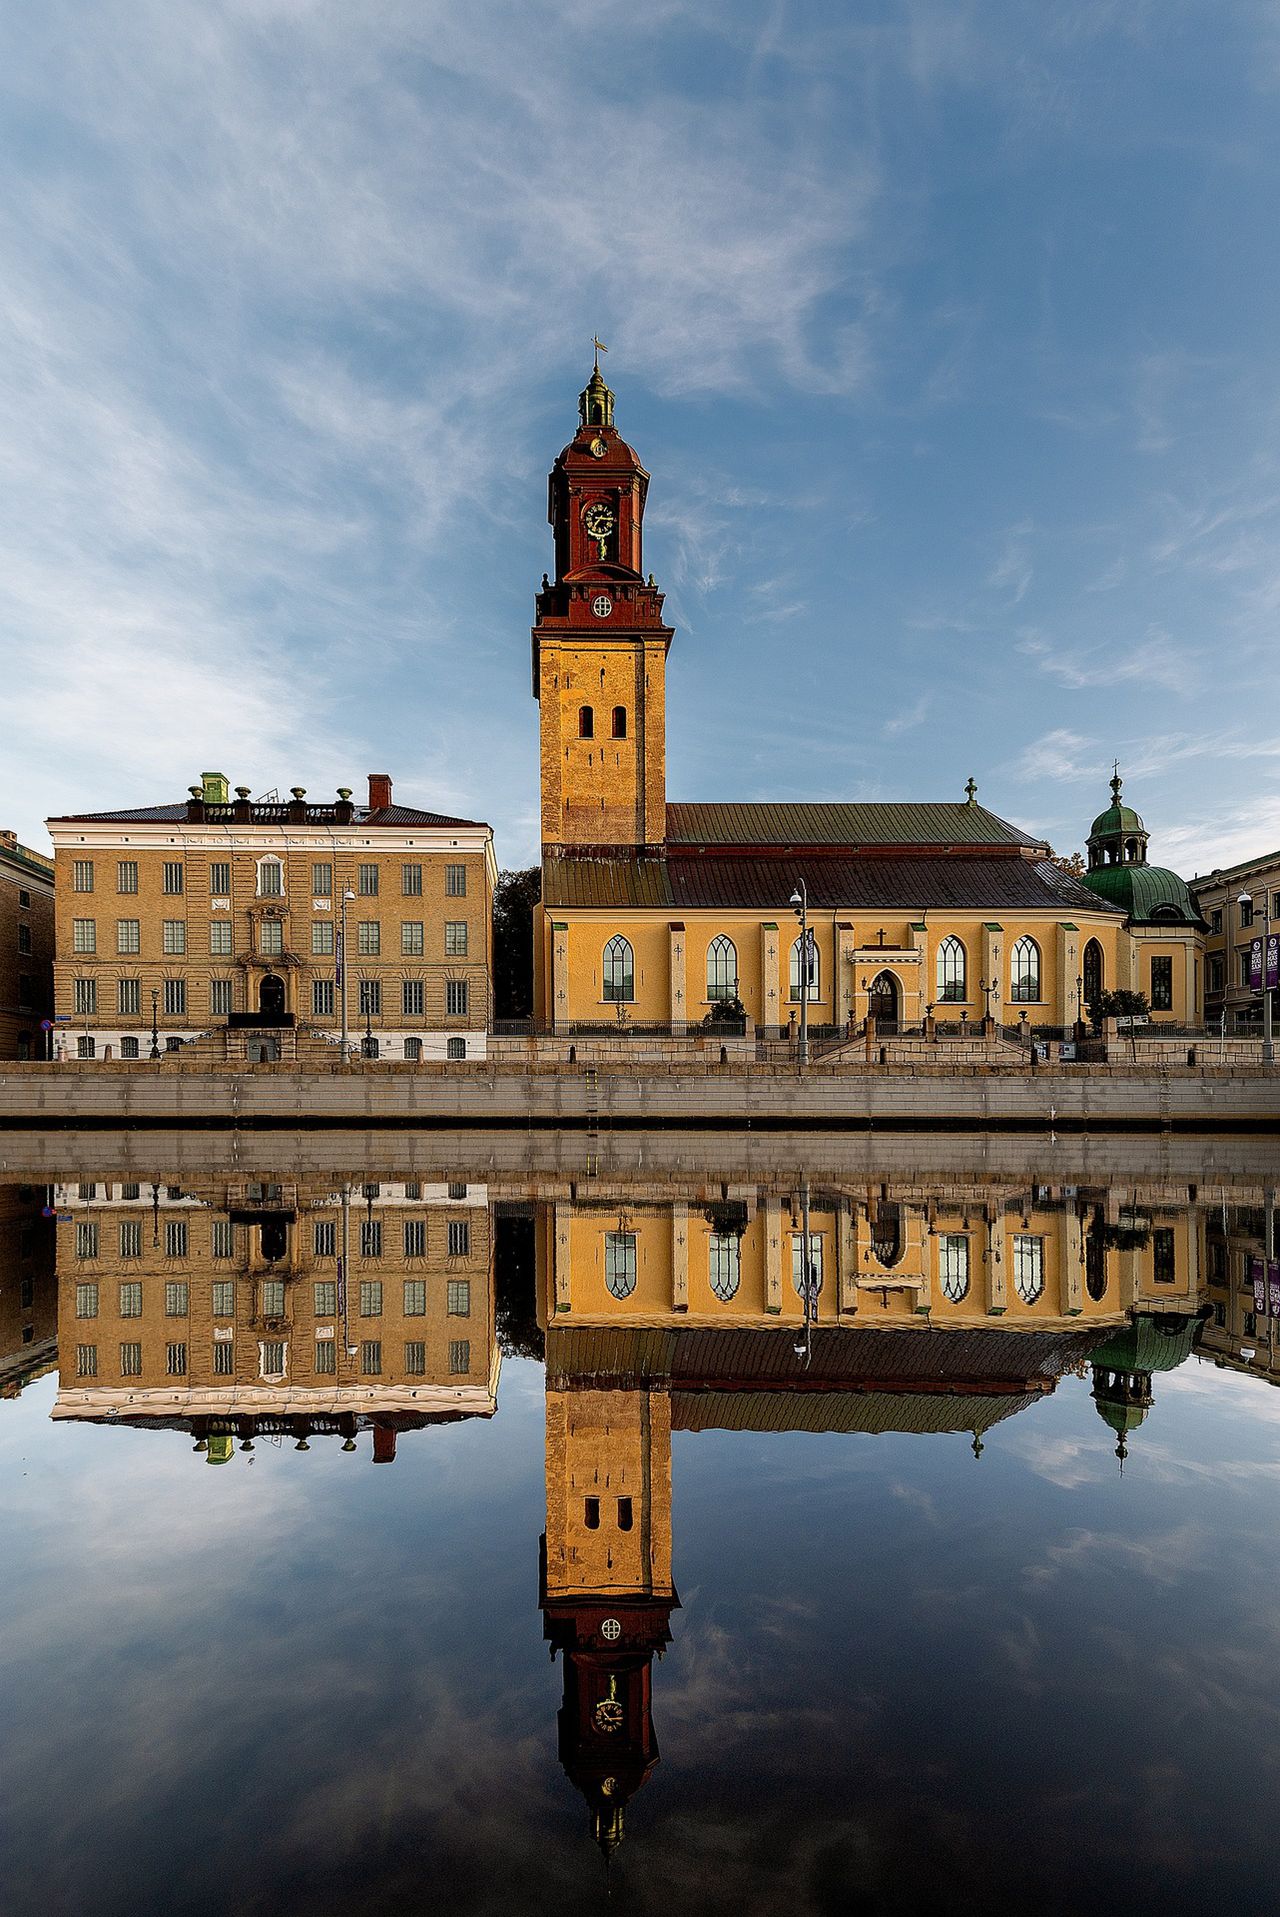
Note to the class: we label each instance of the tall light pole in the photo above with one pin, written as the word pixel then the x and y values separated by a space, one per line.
pixel 347 897
pixel 155 1031
pixel 800 906
pixel 1246 898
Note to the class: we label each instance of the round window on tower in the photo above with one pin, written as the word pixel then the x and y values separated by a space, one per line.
pixel 602 605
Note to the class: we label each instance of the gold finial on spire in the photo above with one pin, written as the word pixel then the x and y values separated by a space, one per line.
pixel 600 348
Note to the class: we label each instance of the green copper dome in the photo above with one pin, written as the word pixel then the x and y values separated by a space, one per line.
pixel 1148 893
pixel 1153 1342
pixel 1115 820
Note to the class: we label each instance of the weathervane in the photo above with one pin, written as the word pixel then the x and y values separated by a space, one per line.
pixel 600 348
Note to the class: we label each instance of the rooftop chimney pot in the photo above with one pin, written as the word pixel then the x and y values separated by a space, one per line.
pixel 379 790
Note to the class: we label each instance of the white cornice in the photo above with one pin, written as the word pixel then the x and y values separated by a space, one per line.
pixel 106 835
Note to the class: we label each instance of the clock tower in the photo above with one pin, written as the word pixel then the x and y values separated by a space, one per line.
pixel 600 648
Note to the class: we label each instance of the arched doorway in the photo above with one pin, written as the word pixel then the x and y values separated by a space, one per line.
pixel 883 1001
pixel 271 996
pixel 1092 975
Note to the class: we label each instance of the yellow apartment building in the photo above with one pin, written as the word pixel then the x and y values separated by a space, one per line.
pixel 661 914
pixel 276 1309
pixel 251 925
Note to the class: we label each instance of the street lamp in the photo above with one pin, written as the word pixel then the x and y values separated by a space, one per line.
pixel 799 903
pixel 988 988
pixel 1246 898
pixel 348 897
pixel 155 1031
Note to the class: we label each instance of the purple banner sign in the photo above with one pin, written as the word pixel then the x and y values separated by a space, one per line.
pixel 1262 1285
pixel 1273 962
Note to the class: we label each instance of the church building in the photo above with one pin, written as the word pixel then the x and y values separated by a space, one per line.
pixel 654 912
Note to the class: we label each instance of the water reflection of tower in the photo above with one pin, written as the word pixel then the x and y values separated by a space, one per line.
pixel 1125 1364
pixel 607 1592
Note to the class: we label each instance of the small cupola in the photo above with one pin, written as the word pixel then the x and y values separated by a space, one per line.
pixel 1117 836
pixel 595 402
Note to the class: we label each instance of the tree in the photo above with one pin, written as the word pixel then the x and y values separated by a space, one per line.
pixel 1122 1004
pixel 1070 862
pixel 514 897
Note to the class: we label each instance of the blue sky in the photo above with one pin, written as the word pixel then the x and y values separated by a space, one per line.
pixel 947 331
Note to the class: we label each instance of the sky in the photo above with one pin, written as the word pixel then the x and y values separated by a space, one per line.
pixel 946 329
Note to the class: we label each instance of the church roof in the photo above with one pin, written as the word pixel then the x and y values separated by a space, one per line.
pixel 846 825
pixel 919 1412
pixel 1147 893
pixel 686 879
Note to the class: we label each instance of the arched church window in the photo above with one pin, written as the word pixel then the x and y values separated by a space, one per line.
pixel 1092 973
pixel 951 971
pixel 724 1264
pixel 953 1266
pixel 1028 1267
pixel 620 1263
pixel 586 723
pixel 619 971
pixel 1024 972
pixel 722 968
pixel 886 1234
pixel 813 971
pixel 619 722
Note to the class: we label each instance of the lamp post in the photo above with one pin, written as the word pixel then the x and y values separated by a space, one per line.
pixel 800 906
pixel 988 987
pixel 155 1030
pixel 1245 898
pixel 808 1282
pixel 347 897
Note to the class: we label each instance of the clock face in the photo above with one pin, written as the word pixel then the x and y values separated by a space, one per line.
pixel 608 1715
pixel 602 605
pixel 598 449
pixel 598 520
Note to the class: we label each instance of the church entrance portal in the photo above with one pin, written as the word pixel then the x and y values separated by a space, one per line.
pixel 1092 975
pixel 883 1001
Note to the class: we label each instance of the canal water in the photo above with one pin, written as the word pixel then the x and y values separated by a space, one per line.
pixel 705 1541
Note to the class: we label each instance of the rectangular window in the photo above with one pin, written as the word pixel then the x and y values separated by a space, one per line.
pixel 175 997
pixel 371 1358
pixel 224 1297
pixel 87 1300
pixel 220 879
pixel 271 938
pixel 322 997
pixel 175 937
pixel 273 1297
pixel 325 1298
pixel 82 876
pixel 86 1361
pixel 177 1294
pixel 175 1361
pixel 129 997
pixel 321 937
pixel 1215 919
pixel 220 939
pixel 1162 984
pixel 415 1297
pixel 224 1359
pixel 24 938
pixel 457 997
pixel 369 937
pixel 127 875
pixel 455 881
pixel 459 1357
pixel 270 879
pixel 411 881
pixel 130 1191
pixel 458 1298
pixel 367 884
pixel 371 1238
pixel 459 1238
pixel 415 1359
pixel 86 997
pixel 411 944
pixel 87 1240
pixel 322 879
pixel 128 935
pixel 173 876
pixel 220 997
pixel 86 1047
pixel 413 997
pixel 84 935
pixel 1163 1263
pixel 1246 968
pixel 1246 912
pixel 326 1357
pixel 457 1190
pixel 415 1238
pixel 371 997
pixel 131 1361
pixel 371 1297
pixel 324 1240
pixel 131 1238
pixel 131 1300
pixel 455 938
pixel 271 1362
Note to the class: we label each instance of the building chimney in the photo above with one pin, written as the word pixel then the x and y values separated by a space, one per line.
pixel 384 1435
pixel 379 790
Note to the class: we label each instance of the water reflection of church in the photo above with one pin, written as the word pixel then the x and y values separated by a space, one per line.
pixel 835 1310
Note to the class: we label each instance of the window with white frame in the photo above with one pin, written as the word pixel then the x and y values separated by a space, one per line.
pixel 812 971
pixel 324 1238
pixel 175 997
pixel 415 1238
pixel 1024 972
pixel 322 879
pixel 87 1299
pixel 220 879
pixel 131 1238
pixel 620 1263
pixel 458 1240
pixel 411 943
pixel 457 998
pixel 458 1297
pixel 85 991
pixel 322 997
pixel 223 1238
pixel 724 1264
pixel 953 1266
pixel 224 1359
pixel 455 1048
pixel 722 968
pixel 952 986
pixel 272 1292
pixel 455 938
pixel 129 997
pixel 415 1358
pixel 321 937
pixel 371 997
pixel 175 1238
pixel 411 880
pixel 797 1261
pixel 367 882
pixel 1028 1267
pixel 369 937
pixel 128 935
pixel 371 1238
pixel 270 878
pixel 175 1360
pixel 82 875
pixel 272 1358
pixel 325 1296
pixel 459 1357
pixel 412 997
pixel 87 1239
pixel 131 1299
pixel 173 879
pixel 127 875
pixel 271 938
pixel 174 937
pixel 86 1361
pixel 131 1360
pixel 455 881
pixel 371 1358
pixel 619 971
pixel 220 936
pixel 220 995
pixel 415 1298
pixel 84 935
pixel 326 1357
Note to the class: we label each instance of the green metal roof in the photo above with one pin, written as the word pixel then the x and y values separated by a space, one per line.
pixel 1116 819
pixel 897 822
pixel 1143 891
pixel 1153 1342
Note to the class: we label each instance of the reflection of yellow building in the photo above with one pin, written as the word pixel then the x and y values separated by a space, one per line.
pixel 28 1292
pixel 266 1308
pixel 656 913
